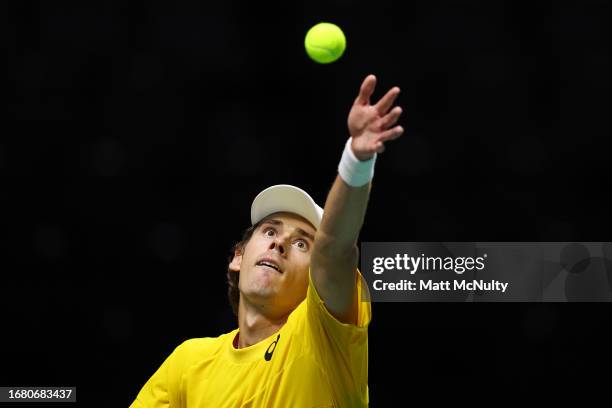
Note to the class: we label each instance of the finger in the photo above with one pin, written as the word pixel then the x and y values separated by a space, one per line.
pixel 386 101
pixel 366 90
pixel 391 118
pixel 391 134
pixel 380 147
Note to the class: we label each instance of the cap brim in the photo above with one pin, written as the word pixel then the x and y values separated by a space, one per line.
pixel 285 198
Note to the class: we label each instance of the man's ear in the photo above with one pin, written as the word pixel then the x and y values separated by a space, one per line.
pixel 234 266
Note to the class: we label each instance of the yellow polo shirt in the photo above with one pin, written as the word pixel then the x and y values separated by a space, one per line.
pixel 312 361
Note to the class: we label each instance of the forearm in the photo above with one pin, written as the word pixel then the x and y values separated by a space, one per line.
pixel 343 218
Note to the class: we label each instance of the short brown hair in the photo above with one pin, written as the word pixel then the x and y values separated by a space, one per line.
pixel 233 293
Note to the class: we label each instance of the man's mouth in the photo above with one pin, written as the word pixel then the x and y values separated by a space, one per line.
pixel 269 264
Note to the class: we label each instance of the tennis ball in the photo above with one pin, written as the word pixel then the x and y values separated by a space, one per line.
pixel 325 43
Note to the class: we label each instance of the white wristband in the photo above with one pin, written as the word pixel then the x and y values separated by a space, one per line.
pixel 353 171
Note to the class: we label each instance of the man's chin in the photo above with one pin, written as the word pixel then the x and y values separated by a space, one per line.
pixel 262 289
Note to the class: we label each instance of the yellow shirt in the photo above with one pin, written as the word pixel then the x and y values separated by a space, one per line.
pixel 312 361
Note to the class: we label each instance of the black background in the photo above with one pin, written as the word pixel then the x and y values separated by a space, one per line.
pixel 138 134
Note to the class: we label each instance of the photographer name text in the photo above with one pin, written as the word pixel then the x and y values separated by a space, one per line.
pixel 440 286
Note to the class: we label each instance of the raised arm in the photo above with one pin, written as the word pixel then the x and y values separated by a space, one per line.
pixel 335 254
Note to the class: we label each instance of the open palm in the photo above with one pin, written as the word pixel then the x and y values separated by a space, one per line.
pixel 371 126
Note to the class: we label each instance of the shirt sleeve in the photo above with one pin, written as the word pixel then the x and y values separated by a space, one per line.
pixel 342 347
pixel 162 390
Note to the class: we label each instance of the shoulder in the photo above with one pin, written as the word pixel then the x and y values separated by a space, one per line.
pixel 197 348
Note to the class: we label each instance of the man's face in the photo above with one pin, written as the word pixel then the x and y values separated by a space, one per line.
pixel 274 264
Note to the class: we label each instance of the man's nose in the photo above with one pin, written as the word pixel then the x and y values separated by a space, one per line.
pixel 278 244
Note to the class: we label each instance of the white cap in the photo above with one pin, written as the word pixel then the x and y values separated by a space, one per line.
pixel 285 198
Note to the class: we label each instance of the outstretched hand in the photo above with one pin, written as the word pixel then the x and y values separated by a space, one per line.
pixel 372 125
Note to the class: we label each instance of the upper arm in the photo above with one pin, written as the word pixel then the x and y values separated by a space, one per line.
pixel 334 276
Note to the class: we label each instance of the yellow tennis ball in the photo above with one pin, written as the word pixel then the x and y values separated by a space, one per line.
pixel 325 43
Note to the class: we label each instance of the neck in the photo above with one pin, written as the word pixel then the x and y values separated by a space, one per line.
pixel 254 325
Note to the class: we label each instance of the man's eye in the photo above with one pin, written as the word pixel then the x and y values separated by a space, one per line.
pixel 268 230
pixel 302 244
